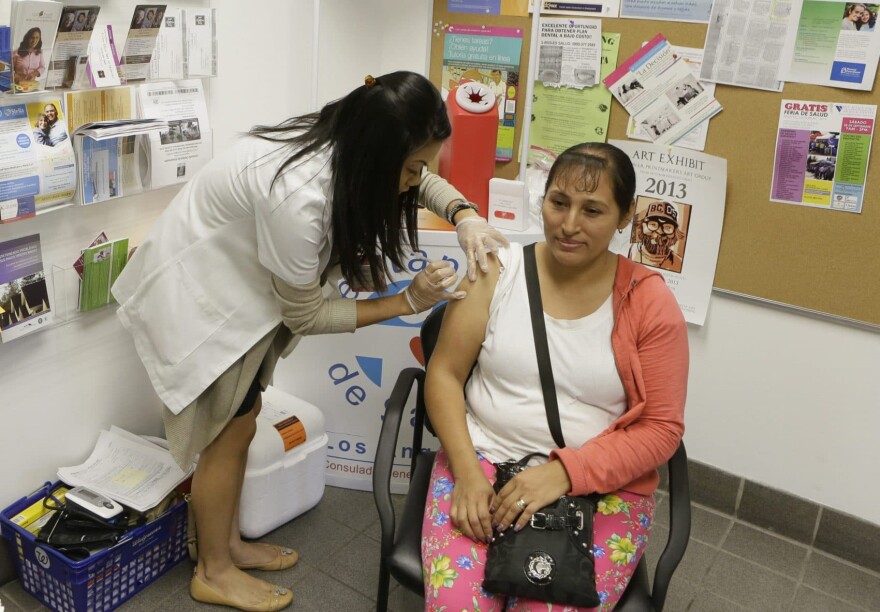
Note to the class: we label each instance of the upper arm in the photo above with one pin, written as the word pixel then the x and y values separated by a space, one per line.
pixel 464 326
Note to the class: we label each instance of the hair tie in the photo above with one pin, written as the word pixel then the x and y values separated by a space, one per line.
pixel 369 81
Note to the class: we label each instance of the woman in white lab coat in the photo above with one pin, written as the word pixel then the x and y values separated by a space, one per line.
pixel 232 273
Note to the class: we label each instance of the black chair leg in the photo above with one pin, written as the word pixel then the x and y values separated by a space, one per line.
pixel 384 583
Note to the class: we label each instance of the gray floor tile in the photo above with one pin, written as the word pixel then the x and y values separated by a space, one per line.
pixel 314 535
pixel 748 584
pixel 849 538
pixel 709 526
pixel 355 565
pixel 712 487
pixel 811 600
pixel 696 561
pixel 784 514
pixel 710 602
pixel 680 595
pixel 373 530
pixel 8 606
pixel 15 594
pixel 765 549
pixel 167 586
pixel 404 600
pixel 843 581
pixel 355 509
pixel 321 592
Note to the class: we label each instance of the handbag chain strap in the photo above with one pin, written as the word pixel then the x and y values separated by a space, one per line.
pixel 539 331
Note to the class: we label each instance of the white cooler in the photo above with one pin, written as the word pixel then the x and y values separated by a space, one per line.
pixel 286 464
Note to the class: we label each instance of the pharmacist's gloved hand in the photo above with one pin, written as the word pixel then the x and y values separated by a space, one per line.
pixel 477 238
pixel 430 286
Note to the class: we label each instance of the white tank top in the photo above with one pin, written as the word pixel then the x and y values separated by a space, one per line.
pixel 506 417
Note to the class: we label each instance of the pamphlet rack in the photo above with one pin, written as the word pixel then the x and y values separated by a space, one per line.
pixel 104 580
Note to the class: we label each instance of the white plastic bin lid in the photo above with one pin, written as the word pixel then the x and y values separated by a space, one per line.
pixel 283 420
pixel 475 97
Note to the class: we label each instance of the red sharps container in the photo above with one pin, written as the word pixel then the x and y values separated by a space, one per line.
pixel 467 159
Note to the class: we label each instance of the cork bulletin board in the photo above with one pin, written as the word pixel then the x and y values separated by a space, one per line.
pixel 812 259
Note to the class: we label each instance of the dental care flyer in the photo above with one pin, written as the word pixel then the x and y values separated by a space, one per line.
pixel 489 55
pixel 677 225
pixel 661 93
pixel 569 52
pixel 822 151
pixel 837 45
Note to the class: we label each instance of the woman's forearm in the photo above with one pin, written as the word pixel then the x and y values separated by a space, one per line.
pixel 381 309
pixel 444 398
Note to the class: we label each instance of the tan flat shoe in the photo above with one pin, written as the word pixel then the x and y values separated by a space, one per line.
pixel 284 558
pixel 279 599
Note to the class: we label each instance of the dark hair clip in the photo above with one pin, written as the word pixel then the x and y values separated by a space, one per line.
pixel 369 81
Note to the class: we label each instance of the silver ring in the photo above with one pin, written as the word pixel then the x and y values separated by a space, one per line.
pixel 521 503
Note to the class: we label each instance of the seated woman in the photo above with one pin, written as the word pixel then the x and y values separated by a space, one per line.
pixel 619 352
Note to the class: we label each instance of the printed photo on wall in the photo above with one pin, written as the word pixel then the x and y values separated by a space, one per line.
pixel 659 233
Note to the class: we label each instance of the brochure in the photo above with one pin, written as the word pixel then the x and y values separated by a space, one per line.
pixel 34 24
pixel 141 40
pixel 696 11
pixel 168 56
pixel 570 52
pixel 36 157
pixel 822 152
pixel 696 138
pixel 24 297
pixel 491 56
pixel 661 93
pixel 185 146
pixel 837 44
pixel 201 42
pixel 102 66
pixel 97 105
pixel 679 216
pixel 746 41
pixel 72 43
pixel 78 264
pixel 102 264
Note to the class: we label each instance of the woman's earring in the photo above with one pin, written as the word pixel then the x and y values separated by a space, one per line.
pixel 619 230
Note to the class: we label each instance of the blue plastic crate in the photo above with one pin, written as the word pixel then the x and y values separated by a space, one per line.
pixel 105 580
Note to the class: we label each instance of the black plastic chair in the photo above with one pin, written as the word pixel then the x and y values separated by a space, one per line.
pixel 401 544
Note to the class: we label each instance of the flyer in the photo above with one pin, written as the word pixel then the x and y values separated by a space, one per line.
pixel 177 152
pixel 519 8
pixel 24 297
pixel 563 117
pixel 141 40
pixel 569 52
pixel 678 219
pixel 71 43
pixel 34 25
pixel 837 44
pixel 695 11
pixel 747 40
pixel 600 8
pixel 491 56
pixel 822 151
pixel 36 157
pixel 661 93
pixel 696 138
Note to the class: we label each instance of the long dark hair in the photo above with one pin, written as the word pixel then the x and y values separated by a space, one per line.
pixel 371 132
pixel 585 164
pixel 23 50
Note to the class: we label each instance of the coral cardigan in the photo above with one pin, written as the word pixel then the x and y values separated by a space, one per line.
pixel 650 346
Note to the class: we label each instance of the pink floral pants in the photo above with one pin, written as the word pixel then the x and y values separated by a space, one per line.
pixel 453 564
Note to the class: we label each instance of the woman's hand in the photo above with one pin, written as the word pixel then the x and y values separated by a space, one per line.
pixel 528 492
pixel 471 497
pixel 477 238
pixel 430 285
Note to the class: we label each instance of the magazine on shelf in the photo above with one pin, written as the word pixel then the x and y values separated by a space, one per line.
pixel 34 25
pixel 78 264
pixel 176 153
pixel 102 264
pixel 24 297
pixel 201 42
pixel 72 44
pixel 140 42
pixel 109 160
pixel 95 105
pixel 38 170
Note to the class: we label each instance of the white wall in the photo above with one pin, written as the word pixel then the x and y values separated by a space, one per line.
pixel 781 398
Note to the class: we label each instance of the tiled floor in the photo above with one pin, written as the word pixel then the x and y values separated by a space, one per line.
pixel 729 566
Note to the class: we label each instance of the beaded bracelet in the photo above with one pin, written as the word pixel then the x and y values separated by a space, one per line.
pixel 458 207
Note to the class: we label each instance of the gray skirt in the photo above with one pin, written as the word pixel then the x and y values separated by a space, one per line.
pixel 196 426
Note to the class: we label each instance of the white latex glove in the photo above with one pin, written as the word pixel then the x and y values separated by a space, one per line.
pixel 477 238
pixel 430 285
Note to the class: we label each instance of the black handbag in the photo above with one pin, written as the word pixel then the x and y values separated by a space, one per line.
pixel 551 559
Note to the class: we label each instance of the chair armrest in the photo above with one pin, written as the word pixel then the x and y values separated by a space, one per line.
pixel 679 526
pixel 384 460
